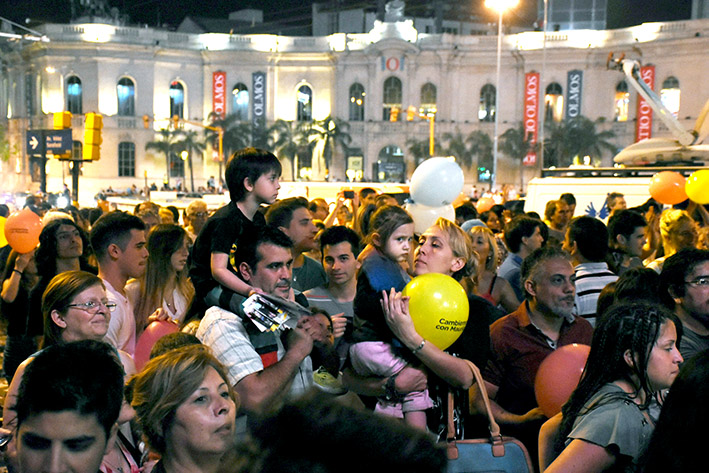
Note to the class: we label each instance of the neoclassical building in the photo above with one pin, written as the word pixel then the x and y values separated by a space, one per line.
pixel 127 73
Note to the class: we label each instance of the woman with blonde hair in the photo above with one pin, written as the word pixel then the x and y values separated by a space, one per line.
pixel 164 289
pixel 490 287
pixel 678 231
pixel 187 409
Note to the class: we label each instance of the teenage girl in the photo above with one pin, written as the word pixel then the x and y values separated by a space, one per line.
pixel 376 352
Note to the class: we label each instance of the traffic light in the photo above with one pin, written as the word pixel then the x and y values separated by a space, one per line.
pixel 411 113
pixel 62 120
pixel 175 122
pixel 394 114
pixel 92 136
pixel 146 121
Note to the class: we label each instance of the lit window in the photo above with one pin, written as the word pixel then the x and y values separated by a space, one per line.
pixel 669 95
pixel 622 100
pixel 304 103
pixel 357 102
pixel 240 102
pixel 392 99
pixel 73 95
pixel 126 159
pixel 177 99
pixel 554 103
pixel 125 90
pixel 486 112
pixel 428 99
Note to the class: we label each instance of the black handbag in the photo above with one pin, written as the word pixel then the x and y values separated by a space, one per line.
pixel 496 453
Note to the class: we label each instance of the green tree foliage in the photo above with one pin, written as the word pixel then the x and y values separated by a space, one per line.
pixel 189 141
pixel 164 144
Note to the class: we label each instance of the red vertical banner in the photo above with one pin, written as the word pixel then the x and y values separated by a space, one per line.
pixel 643 127
pixel 531 115
pixel 219 93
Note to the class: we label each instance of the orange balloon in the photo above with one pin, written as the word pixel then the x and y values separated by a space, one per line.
pixel 484 204
pixel 22 230
pixel 667 187
pixel 147 339
pixel 558 376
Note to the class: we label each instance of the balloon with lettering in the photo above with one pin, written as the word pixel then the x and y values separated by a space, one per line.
pixel 22 230
pixel 147 339
pixel 436 182
pixel 667 187
pixel 439 308
pixel 484 204
pixel 697 186
pixel 558 376
pixel 425 216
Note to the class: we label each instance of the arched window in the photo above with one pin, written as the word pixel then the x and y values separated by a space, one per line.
pixel 240 102
pixel 428 98
pixel 177 165
pixel 177 99
pixel 357 102
pixel 125 90
pixel 621 101
pixel 390 164
pixel 486 112
pixel 669 94
pixel 126 159
pixel 73 95
pixel 554 103
pixel 391 105
pixel 304 103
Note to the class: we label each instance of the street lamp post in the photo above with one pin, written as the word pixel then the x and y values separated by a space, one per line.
pixel 500 6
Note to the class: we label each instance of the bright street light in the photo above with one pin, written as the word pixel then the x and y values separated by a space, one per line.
pixel 500 6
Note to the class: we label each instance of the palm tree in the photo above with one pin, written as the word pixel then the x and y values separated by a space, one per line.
pixel 456 146
pixel 420 149
pixel 516 143
pixel 188 141
pixel 578 137
pixel 333 132
pixel 481 146
pixel 291 140
pixel 165 145
pixel 236 135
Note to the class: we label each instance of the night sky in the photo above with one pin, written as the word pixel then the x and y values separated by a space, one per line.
pixel 170 13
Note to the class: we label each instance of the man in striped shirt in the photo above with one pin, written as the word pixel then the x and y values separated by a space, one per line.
pixel 587 243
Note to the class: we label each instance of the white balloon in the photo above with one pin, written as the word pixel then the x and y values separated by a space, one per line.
pixel 424 216
pixel 436 182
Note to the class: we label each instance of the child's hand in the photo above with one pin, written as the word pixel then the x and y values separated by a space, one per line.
pixel 256 290
pixel 396 314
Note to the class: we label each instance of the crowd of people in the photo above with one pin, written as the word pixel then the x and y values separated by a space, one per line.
pixel 351 380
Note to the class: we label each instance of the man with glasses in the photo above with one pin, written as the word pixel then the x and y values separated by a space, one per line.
pixel 685 275
pixel 195 217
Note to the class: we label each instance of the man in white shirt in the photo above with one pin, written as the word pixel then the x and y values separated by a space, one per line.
pixel 118 240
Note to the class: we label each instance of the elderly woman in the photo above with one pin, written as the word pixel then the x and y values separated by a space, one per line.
pixel 187 409
pixel 446 249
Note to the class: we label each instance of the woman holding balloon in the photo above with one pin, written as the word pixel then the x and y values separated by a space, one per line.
pixel 606 423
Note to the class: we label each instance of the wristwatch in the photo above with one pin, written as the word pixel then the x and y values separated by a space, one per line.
pixel 390 393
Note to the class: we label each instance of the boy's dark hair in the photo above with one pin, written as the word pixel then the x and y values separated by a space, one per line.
pixel 677 268
pixel 280 214
pixel 247 249
pixel 248 163
pixel 466 212
pixel 172 341
pixel 590 236
pixel 642 284
pixel 94 214
pixel 568 198
pixel 518 228
pixel 624 223
pixel 338 234
pixel 366 191
pixel 84 376
pixel 539 256
pixel 113 228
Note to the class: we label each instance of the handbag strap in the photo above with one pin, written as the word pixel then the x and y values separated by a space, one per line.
pixel 493 426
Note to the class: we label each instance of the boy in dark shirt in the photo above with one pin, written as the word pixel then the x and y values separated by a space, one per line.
pixel 252 176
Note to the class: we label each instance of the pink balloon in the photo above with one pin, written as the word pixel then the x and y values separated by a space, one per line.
pixel 147 339
pixel 558 376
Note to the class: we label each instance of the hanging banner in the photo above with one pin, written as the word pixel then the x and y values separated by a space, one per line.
pixel 258 109
pixel 574 87
pixel 219 93
pixel 643 126
pixel 531 115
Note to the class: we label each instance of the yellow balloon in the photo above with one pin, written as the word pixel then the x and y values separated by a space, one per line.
pixel 439 308
pixel 3 240
pixel 697 186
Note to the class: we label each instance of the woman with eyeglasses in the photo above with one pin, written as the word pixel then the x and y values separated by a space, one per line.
pixel 74 307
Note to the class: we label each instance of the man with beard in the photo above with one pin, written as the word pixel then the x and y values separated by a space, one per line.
pixel 521 340
pixel 264 368
pixel 686 277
